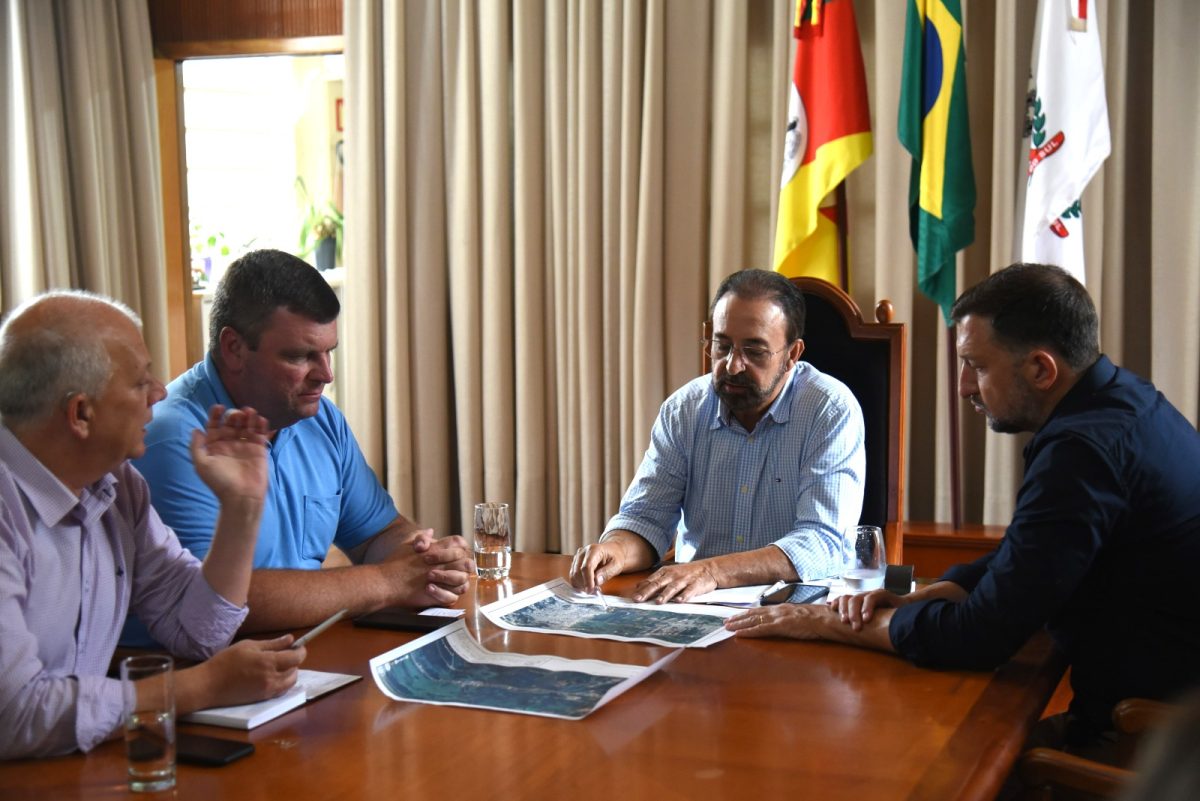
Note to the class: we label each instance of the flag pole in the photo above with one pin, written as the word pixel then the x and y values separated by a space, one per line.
pixel 843 226
pixel 956 516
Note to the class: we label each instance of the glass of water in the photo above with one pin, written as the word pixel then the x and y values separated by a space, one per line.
pixel 148 687
pixel 866 561
pixel 493 540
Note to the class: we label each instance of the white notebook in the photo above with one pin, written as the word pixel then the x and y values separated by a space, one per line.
pixel 309 685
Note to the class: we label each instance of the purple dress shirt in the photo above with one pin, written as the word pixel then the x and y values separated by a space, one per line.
pixel 71 568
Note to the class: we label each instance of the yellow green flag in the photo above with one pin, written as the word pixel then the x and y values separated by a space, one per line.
pixel 933 128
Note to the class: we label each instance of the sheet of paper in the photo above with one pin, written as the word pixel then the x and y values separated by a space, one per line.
pixel 316 683
pixel 441 611
pixel 557 608
pixel 309 684
pixel 732 596
pixel 248 716
pixel 448 667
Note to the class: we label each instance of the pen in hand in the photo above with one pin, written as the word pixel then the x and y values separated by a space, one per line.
pixel 334 618
pixel 600 595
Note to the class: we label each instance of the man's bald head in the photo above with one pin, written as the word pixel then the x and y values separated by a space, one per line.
pixel 54 346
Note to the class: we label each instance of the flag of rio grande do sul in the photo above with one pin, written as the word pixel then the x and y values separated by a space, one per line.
pixel 828 135
pixel 1066 131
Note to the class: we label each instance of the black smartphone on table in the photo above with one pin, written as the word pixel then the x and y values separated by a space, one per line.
pixel 200 749
pixel 794 593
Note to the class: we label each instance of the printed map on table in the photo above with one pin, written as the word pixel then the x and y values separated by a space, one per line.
pixel 448 667
pixel 557 608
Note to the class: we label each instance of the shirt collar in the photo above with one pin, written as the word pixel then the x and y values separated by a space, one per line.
pixel 780 410
pixel 1090 382
pixel 213 377
pixel 50 499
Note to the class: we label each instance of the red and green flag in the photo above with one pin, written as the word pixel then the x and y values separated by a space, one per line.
pixel 933 128
pixel 828 135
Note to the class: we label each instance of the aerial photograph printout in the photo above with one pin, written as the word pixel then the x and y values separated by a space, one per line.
pixel 449 667
pixel 555 607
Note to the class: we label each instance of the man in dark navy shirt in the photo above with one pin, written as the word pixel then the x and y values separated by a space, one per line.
pixel 1105 540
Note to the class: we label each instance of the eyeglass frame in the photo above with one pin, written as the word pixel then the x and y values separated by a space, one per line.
pixel 760 360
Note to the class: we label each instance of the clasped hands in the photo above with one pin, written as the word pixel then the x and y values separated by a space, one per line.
pixel 430 571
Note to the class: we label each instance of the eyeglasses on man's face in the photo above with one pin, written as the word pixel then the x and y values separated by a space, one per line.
pixel 720 349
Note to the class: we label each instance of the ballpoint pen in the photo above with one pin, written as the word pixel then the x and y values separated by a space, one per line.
pixel 600 595
pixel 778 585
pixel 334 618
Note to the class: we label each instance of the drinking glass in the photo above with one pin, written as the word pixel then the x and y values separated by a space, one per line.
pixel 493 540
pixel 148 687
pixel 864 565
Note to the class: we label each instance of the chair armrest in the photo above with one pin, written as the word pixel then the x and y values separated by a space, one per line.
pixel 1047 766
pixel 1135 715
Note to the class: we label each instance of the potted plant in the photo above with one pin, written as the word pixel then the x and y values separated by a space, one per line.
pixel 205 245
pixel 320 229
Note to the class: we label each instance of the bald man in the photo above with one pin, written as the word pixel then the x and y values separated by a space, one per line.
pixel 80 544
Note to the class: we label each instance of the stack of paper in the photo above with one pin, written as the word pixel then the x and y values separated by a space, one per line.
pixel 309 685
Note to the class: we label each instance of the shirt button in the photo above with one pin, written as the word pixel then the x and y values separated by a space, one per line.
pixel 745 489
pixel 740 539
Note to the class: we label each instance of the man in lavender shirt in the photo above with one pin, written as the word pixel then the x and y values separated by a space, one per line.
pixel 80 544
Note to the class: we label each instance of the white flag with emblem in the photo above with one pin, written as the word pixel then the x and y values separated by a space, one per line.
pixel 1066 131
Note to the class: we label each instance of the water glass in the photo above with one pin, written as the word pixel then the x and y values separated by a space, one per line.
pixel 148 686
pixel 493 540
pixel 866 564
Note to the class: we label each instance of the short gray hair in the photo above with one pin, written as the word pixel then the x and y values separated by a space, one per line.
pixel 44 366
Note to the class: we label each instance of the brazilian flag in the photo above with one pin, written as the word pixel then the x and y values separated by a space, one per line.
pixel 933 128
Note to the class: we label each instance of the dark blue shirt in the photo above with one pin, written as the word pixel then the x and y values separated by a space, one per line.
pixel 1102 550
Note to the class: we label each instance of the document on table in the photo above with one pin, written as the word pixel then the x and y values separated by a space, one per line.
pixel 732 596
pixel 555 607
pixel 448 667
pixel 441 611
pixel 309 684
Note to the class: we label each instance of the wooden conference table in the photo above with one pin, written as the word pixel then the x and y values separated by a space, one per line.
pixel 757 719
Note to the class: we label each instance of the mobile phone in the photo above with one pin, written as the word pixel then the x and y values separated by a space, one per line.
pixel 401 619
pixel 795 593
pixel 199 749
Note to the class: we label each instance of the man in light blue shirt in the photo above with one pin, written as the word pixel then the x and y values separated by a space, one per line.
pixel 272 331
pixel 755 472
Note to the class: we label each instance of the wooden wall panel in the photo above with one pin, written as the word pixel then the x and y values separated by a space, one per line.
pixel 193 28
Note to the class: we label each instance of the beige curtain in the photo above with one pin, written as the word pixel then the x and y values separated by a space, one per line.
pixel 80 178
pixel 541 196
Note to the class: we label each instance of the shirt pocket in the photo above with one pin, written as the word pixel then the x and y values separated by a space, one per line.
pixel 321 515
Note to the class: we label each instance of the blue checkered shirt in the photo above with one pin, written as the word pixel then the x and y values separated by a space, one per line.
pixel 795 482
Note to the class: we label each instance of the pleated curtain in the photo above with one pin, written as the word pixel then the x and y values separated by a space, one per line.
pixel 80 178
pixel 541 196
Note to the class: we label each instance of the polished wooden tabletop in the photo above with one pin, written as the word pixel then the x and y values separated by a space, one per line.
pixel 742 719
